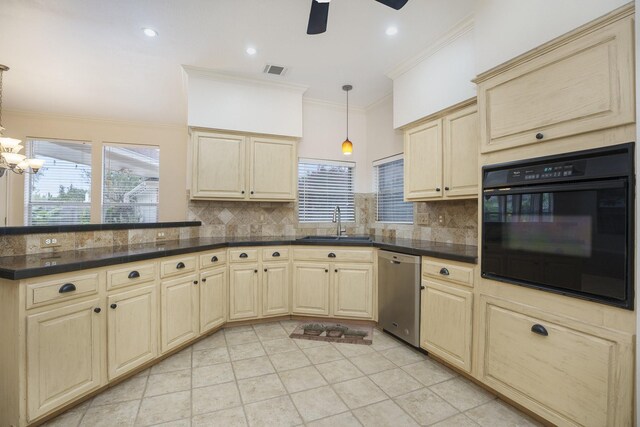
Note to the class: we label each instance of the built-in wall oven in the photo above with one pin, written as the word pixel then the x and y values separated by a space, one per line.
pixel 563 224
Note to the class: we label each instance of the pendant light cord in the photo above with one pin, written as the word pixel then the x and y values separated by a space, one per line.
pixel 347 115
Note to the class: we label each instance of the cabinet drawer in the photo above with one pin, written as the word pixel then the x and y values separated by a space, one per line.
pixel 449 272
pixel 330 254
pixel 213 259
pixel 62 289
pixel 131 275
pixel 275 253
pixel 177 266
pixel 243 255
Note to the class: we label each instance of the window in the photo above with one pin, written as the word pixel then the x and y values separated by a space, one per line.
pixel 130 184
pixel 323 185
pixel 60 193
pixel 389 178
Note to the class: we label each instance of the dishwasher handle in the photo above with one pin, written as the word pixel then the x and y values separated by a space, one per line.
pixel 393 261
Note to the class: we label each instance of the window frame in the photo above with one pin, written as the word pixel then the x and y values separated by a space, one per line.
pixel 376 171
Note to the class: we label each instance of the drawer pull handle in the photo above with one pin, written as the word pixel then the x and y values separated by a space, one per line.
pixel 444 271
pixel 275 254
pixel 214 259
pixel 180 265
pixel 540 330
pixel 134 275
pixel 114 306
pixel 332 255
pixel 67 287
pixel 539 136
pixel 243 255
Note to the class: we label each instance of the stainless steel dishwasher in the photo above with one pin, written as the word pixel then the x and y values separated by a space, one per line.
pixel 399 295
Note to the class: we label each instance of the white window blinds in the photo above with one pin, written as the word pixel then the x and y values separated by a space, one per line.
pixel 323 185
pixel 60 193
pixel 391 207
pixel 130 184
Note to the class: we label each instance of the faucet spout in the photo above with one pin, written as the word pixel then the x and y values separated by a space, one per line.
pixel 337 218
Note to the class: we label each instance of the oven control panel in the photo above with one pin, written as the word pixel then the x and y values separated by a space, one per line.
pixel 544 172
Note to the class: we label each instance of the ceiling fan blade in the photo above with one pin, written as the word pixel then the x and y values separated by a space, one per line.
pixel 318 17
pixel 396 4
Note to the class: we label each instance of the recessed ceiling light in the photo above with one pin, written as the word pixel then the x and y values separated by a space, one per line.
pixel 251 50
pixel 149 32
pixel 392 31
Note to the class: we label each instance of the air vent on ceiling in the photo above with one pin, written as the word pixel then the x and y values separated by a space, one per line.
pixel 276 70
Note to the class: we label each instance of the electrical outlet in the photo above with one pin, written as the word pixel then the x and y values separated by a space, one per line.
pixel 49 242
pixel 161 235
pixel 441 219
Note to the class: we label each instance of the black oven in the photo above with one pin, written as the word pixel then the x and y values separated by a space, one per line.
pixel 563 224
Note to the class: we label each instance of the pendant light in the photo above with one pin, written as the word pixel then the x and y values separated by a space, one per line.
pixel 347 146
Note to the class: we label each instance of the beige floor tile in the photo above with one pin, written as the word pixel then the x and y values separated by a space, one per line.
pixel 302 379
pixel 233 417
pixel 395 382
pixel 177 423
pixel 212 341
pixel 212 374
pixel 169 382
pixel 243 337
pixel 338 371
pixel 460 420
pixel 160 409
pixel 425 406
pixel 248 368
pixel 279 345
pixel 322 354
pixel 303 344
pixel 318 403
pixel 246 351
pixel 372 363
pixel 462 393
pixel 429 372
pixel 289 325
pixel 176 362
pixel 270 331
pixel 289 360
pixel 359 392
pixel 403 355
pixel 384 342
pixel 352 350
pixel 384 414
pixel 342 420
pixel 68 419
pixel 215 398
pixel 143 374
pixel 210 356
pixel 275 412
pixel 499 414
pixel 131 389
pixel 237 329
pixel 117 414
pixel 261 388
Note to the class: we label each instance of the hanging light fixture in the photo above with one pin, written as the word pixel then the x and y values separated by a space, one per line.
pixel 347 146
pixel 10 157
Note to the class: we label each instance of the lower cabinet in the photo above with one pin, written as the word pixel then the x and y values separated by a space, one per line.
pixel 132 329
pixel 353 290
pixel 243 291
pixel 64 347
pixel 213 298
pixel 275 289
pixel 311 289
pixel 179 305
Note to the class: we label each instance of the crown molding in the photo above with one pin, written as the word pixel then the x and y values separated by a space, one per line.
pixel 333 105
pixel 217 75
pixel 380 101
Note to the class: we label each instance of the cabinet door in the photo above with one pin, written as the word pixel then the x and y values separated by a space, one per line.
pixel 64 347
pixel 311 289
pixel 273 169
pixel 275 289
pixel 179 311
pixel 213 298
pixel 132 329
pixel 446 323
pixel 353 290
pixel 218 166
pixel 243 292
pixel 461 134
pixel 423 162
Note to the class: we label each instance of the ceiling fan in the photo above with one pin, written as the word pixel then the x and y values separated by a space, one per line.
pixel 320 13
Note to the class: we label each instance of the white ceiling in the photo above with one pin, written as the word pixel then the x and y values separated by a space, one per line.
pixel 90 58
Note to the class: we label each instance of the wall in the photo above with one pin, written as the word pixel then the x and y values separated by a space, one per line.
pixel 172 140
pixel 382 139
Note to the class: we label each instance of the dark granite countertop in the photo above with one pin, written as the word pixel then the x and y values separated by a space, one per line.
pixel 26 266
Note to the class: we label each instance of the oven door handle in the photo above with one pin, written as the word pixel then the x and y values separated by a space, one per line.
pixel 534 189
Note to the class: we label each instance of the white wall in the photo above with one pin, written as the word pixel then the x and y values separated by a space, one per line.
pixel 382 139
pixel 637 224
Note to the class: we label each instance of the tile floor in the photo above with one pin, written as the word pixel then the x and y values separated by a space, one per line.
pixel 258 376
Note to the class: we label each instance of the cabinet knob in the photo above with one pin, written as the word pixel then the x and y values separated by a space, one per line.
pixel 539 329
pixel 326 271
pixel 336 270
pixel 242 192
pixel 422 287
pixel 332 255
pixel 437 188
pixel 180 265
pixel 446 188
pixel 67 287
pixel 251 191
pixel 255 271
pixel 214 259
pixel 195 282
pixel 97 310
pixel 265 270
pixel 133 275
pixel 204 280
pixel 114 306
pixel 539 136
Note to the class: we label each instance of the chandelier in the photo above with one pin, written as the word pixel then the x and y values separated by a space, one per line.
pixel 10 157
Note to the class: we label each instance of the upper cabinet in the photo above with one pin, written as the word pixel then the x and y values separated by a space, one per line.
pixel 243 167
pixel 441 156
pixel 580 83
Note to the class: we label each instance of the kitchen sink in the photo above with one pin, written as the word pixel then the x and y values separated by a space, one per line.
pixel 354 239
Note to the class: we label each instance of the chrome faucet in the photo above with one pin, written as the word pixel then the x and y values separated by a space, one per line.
pixel 337 218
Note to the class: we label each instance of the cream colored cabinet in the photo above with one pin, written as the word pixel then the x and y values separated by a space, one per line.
pixel 213 298
pixel 179 311
pixel 132 329
pixel 441 156
pixel 275 288
pixel 353 290
pixel 64 353
pixel 243 291
pixel 243 167
pixel 311 288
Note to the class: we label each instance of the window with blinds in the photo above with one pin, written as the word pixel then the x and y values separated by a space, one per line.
pixel 323 185
pixel 60 193
pixel 389 178
pixel 130 185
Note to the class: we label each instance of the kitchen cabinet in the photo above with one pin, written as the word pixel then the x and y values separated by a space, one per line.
pixel 441 156
pixel 243 167
pixel 311 283
pixel 353 290
pixel 132 329
pixel 275 288
pixel 243 291
pixel 213 298
pixel 179 311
